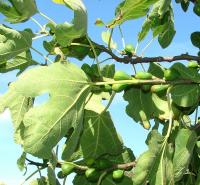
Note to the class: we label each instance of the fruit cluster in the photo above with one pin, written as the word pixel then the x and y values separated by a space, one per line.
pixel 93 170
pixel 169 75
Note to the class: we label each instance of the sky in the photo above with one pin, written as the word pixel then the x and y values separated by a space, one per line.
pixel 132 133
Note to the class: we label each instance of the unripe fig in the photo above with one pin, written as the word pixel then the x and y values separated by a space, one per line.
pixel 158 88
pixel 129 49
pixel 117 175
pixel 107 88
pixel 92 174
pixel 67 168
pixel 119 87
pixel 121 75
pixel 170 74
pixel 143 75
pixel 192 64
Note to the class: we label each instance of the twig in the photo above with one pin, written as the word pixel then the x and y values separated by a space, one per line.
pixel 143 68
pixel 39 172
pixel 128 60
pixel 64 181
pixel 126 165
pixel 36 22
pixel 110 39
pixel 101 177
pixel 46 17
pixel 105 60
pixel 38 52
pixel 79 167
pixel 134 69
pixel 109 103
pixel 32 175
pixel 138 82
pixel 122 36
pixel 95 54
pixel 145 48
pixel 40 36
pixel 36 163
pixel 136 48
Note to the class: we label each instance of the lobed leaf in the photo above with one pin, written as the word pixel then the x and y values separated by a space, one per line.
pixel 20 62
pixel 13 42
pixel 161 21
pixel 186 72
pixel 67 32
pixel 131 9
pixel 47 123
pixel 185 95
pixel 145 30
pixel 21 161
pixel 108 70
pixel 147 162
pixel 99 136
pixel 20 11
pixel 165 38
pixel 105 35
pixel 164 7
pixel 95 103
pixel 195 38
pixel 125 157
pixel 140 106
pixel 156 70
pixel 184 145
pixel 18 106
pixel 162 173
pixel 143 106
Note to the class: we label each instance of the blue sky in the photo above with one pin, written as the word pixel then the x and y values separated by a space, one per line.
pixel 133 134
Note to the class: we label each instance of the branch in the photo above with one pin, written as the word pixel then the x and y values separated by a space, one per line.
pixel 126 165
pixel 156 81
pixel 80 167
pixel 165 59
pixel 137 59
pixel 36 163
